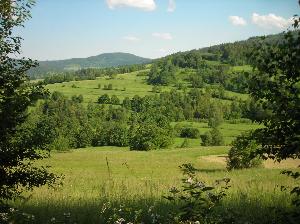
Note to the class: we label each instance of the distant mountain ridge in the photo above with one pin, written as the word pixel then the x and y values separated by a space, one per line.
pixel 99 61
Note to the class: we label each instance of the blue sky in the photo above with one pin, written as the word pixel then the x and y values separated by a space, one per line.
pixel 61 29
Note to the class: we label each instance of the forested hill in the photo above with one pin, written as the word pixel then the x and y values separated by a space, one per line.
pixel 99 61
pixel 230 53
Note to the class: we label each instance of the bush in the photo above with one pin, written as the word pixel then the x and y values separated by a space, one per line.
pixel 217 137
pixel 108 87
pixel 189 132
pixel 114 100
pixel 240 154
pixel 198 201
pixel 111 134
pixel 77 99
pixel 149 136
pixel 206 139
pixel 212 138
pixel 104 99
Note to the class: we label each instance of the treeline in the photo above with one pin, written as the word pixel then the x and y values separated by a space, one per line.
pixel 164 73
pixel 142 123
pixel 236 53
pixel 90 73
pixel 63 123
pixel 197 104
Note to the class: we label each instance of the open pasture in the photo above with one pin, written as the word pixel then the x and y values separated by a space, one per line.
pixel 97 177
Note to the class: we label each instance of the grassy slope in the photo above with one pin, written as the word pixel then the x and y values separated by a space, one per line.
pixel 140 179
pixel 229 131
pixel 125 85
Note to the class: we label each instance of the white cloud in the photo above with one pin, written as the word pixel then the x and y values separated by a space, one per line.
pixel 131 38
pixel 271 21
pixel 164 36
pixel 147 5
pixel 171 6
pixel 237 21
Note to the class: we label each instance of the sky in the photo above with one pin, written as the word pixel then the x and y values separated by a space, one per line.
pixel 61 29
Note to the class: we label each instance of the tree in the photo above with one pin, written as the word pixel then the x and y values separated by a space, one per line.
pixel 149 131
pixel 114 100
pixel 215 116
pixel 126 103
pixel 212 138
pixel 240 155
pixel 104 99
pixel 17 170
pixel 275 84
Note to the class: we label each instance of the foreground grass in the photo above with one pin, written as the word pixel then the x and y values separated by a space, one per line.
pixel 96 176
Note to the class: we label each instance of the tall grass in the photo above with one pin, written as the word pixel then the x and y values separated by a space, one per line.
pixel 138 180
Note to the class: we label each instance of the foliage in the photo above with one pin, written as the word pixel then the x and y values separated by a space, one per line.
pixel 104 99
pixel 241 153
pixel 197 200
pixel 108 87
pixel 17 170
pixel 111 133
pixel 189 132
pixel 217 137
pixel 162 76
pixel 114 100
pixel 206 139
pixel 149 132
pixel 293 215
pixel 212 138
pixel 215 116
pixel 275 84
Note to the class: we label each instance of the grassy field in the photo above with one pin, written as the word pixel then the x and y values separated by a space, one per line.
pixel 97 177
pixel 128 183
pixel 125 85
pixel 228 130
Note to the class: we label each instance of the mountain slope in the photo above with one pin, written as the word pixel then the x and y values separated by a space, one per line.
pixel 99 61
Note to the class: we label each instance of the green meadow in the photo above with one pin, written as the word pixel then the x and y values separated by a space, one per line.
pixel 102 182
pixel 103 176
pixel 124 85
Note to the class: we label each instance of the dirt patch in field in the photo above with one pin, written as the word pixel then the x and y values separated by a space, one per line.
pixel 221 159
pixel 284 164
pixel 269 164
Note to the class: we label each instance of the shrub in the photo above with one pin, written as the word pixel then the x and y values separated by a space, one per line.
pixel 104 99
pixel 198 201
pixel 189 132
pixel 77 99
pixel 111 134
pixel 114 100
pixel 60 143
pixel 126 103
pixel 206 139
pixel 217 137
pixel 240 154
pixel 108 87
pixel 212 138
pixel 149 136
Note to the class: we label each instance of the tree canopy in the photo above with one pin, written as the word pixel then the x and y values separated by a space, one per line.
pixel 16 94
